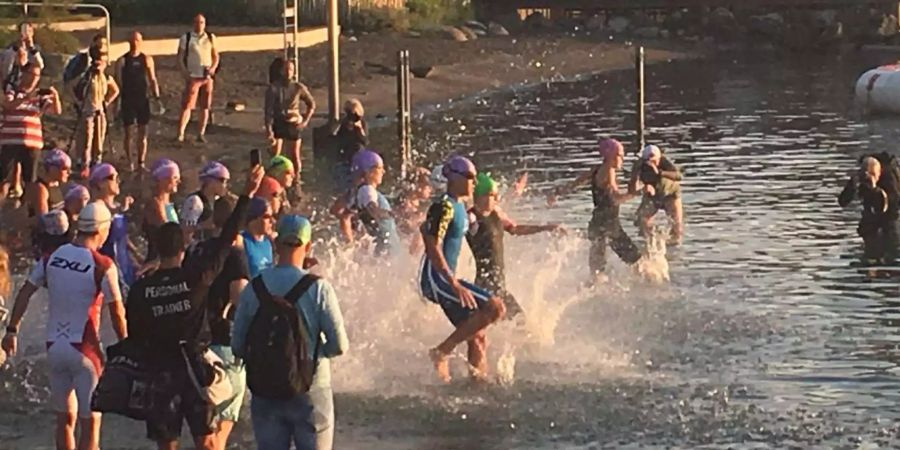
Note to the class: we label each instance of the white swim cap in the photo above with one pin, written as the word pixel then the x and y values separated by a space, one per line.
pixel 93 217
pixel 650 151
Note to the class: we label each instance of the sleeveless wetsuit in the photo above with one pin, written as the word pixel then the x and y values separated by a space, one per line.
pixel 135 104
pixel 605 228
pixel 485 239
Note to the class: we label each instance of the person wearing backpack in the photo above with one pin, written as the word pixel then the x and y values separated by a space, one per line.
pixel 94 91
pixel 9 63
pixel 282 316
pixel 198 60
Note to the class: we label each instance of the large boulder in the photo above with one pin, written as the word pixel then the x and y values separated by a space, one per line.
pixel 453 33
pixel 495 29
pixel 537 21
pixel 619 24
pixel 470 33
pixel 476 25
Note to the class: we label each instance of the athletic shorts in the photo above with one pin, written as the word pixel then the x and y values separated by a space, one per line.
pixel 73 378
pixel 285 130
pixel 437 289
pixel 180 402
pixel 24 156
pixel 230 409
pixel 197 90
pixel 135 112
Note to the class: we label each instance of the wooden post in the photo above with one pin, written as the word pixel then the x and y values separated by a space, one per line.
pixel 639 69
pixel 334 90
pixel 404 107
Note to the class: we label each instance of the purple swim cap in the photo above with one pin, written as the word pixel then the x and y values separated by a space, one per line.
pixel 77 191
pixel 365 160
pixel 164 168
pixel 214 170
pixel 609 148
pixel 101 172
pixel 459 166
pixel 57 158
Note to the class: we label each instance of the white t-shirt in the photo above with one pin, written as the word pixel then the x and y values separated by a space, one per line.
pixel 78 281
pixel 199 52
pixel 365 195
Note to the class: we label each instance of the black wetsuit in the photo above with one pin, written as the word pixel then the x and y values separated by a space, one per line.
pixel 40 240
pixel 605 228
pixel 878 222
pixel 485 238
pixel 135 103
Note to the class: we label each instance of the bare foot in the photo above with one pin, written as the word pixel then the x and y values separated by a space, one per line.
pixel 441 364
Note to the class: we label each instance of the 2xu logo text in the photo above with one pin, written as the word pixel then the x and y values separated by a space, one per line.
pixel 63 263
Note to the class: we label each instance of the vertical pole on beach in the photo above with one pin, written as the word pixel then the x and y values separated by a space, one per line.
pixel 334 92
pixel 404 123
pixel 639 69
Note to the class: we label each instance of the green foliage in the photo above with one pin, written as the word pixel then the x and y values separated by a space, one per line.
pixel 428 13
pixel 50 41
pixel 217 12
pixel 379 19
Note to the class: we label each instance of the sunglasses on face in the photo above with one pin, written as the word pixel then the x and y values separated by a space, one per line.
pixel 267 216
pixel 222 180
pixel 112 178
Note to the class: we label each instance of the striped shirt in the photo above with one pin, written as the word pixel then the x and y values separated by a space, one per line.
pixel 22 125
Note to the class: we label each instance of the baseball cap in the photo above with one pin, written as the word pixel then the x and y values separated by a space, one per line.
pixel 57 158
pixel 484 185
pixel 293 230
pixel 94 217
pixel 257 208
pixel 269 188
pixel 609 148
pixel 77 191
pixel 459 166
pixel 214 170
pixel 280 164
pixel 55 223
pixel 650 151
pixel 101 172
pixel 365 160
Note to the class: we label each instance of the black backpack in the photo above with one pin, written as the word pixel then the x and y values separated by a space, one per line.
pixel 278 360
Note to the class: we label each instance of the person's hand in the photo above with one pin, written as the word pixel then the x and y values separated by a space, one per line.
pixel 254 179
pixel 309 262
pixel 148 267
pixel 870 180
pixel 521 183
pixel 126 204
pixel 649 190
pixel 9 344
pixel 465 297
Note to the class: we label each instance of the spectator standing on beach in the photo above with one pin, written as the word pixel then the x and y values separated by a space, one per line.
pixel 10 64
pixel 304 416
pixel 21 130
pixel 198 60
pixel 94 91
pixel 352 136
pixel 283 118
pixel 136 73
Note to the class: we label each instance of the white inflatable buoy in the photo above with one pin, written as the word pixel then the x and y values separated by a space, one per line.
pixel 878 90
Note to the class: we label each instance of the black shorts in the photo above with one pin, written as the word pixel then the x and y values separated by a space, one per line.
pixel 178 402
pixel 24 156
pixel 285 130
pixel 135 112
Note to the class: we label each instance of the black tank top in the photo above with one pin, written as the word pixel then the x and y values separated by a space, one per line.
pixel 486 243
pixel 134 77
pixel 605 205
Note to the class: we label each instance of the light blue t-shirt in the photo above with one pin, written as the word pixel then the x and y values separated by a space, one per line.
pixel 259 254
pixel 319 310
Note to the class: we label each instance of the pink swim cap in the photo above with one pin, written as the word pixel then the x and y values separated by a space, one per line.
pixel 165 168
pixel 609 148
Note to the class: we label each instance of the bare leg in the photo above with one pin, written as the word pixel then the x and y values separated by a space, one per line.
pixel 90 433
pixel 183 122
pixel 141 145
pixel 99 136
pixel 295 158
pixel 204 120
pixel 275 149
pixel 477 356
pixel 675 210
pixel 126 144
pixel 17 179
pixel 492 312
pixel 221 436
pixel 207 442
pixel 65 431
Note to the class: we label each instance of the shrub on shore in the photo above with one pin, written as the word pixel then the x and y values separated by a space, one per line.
pixel 50 41
pixel 418 14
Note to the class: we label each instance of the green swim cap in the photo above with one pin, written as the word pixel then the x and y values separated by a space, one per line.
pixel 280 164
pixel 484 184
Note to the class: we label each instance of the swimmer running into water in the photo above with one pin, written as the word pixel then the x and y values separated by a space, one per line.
pixel 662 191
pixel 470 308
pixel 487 225
pixel 605 228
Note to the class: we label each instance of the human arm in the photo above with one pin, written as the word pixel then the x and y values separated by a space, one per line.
pixel 331 323
pixel 180 56
pixel 307 99
pixel 112 91
pixel 668 169
pixel 344 215
pixel 155 214
pixel 367 197
pixel 112 295
pixel 516 229
pixel 38 200
pixel 271 100
pixel 54 104
pixel 569 187
pixel 247 306
pixel 849 192
pixel 23 297
pixel 151 76
pixel 215 55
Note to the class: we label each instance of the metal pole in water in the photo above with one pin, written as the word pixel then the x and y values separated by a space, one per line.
pixel 403 111
pixel 334 93
pixel 639 69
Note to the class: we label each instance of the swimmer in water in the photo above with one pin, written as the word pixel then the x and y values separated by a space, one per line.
pixel 371 206
pixel 470 308
pixel 662 191
pixel 605 228
pixel 488 223
pixel 878 223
